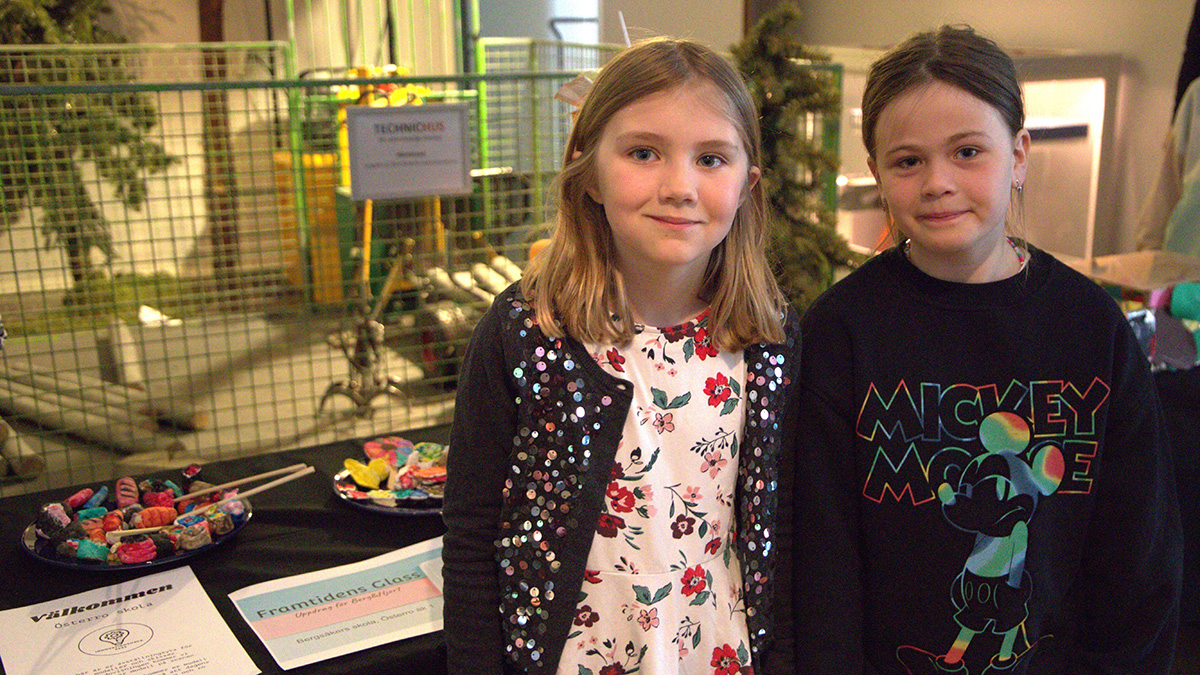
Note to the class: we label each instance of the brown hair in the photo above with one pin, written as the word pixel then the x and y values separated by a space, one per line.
pixel 955 55
pixel 573 283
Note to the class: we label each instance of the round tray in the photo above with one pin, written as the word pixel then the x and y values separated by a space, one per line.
pixel 39 548
pixel 343 485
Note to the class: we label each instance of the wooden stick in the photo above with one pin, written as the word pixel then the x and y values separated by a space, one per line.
pixel 117 535
pixel 279 481
pixel 34 384
pixel 258 476
pixel 25 401
pixel 171 410
pixel 21 461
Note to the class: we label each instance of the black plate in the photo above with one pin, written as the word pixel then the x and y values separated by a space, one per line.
pixel 343 483
pixel 40 548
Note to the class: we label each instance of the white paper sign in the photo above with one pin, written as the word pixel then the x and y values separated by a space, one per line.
pixel 320 615
pixel 133 628
pixel 398 152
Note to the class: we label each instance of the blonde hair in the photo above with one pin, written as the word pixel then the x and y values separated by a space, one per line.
pixel 573 284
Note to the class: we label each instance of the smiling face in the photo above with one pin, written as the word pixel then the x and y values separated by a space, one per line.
pixel 671 173
pixel 946 163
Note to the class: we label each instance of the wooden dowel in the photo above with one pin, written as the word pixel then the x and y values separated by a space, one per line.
pixel 73 389
pixel 279 481
pixel 21 461
pixel 68 400
pixel 247 479
pixel 169 410
pixel 116 535
pixel 113 392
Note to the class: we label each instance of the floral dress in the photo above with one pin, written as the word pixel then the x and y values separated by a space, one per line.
pixel 662 588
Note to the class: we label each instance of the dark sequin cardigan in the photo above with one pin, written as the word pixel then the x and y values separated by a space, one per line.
pixel 536 428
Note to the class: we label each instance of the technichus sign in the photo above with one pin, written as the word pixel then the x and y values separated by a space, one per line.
pixel 398 152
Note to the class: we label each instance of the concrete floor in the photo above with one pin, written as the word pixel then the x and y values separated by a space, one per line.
pixel 258 381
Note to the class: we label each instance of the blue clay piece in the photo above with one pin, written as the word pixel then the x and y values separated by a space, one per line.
pixel 97 498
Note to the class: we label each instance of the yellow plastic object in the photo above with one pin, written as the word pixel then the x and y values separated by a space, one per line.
pixel 320 180
pixel 536 247
pixel 380 467
pixel 363 475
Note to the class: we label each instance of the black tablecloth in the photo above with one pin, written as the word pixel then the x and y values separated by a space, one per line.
pixel 297 527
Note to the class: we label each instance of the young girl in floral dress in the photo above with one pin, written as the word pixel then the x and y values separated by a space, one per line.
pixel 614 485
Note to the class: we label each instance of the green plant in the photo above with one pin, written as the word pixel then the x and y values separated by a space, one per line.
pixel 95 301
pixel 49 136
pixel 792 85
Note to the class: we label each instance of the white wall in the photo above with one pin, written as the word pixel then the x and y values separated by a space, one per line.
pixel 515 18
pixel 1149 35
pixel 150 21
pixel 716 23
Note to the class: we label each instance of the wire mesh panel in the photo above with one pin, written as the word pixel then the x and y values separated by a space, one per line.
pixel 512 126
pixel 185 275
pixel 512 55
pixel 96 165
pixel 207 287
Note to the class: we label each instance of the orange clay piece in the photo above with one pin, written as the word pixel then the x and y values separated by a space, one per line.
pixel 113 520
pixel 155 516
pixel 91 525
pixel 432 473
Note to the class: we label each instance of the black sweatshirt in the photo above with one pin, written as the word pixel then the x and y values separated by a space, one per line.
pixel 982 465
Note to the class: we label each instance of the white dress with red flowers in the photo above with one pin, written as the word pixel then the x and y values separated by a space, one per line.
pixel 662 592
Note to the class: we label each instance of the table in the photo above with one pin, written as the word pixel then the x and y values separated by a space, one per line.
pixel 297 527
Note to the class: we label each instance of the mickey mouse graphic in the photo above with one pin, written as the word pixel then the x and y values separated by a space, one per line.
pixel 994 496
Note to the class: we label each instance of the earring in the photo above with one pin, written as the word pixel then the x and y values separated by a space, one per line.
pixel 1020 187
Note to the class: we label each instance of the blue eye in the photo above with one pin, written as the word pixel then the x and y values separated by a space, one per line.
pixel 642 154
pixel 712 161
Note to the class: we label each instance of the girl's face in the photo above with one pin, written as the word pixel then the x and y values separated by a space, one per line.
pixel 671 172
pixel 946 164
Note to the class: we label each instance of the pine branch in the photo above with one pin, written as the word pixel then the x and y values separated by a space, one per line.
pixel 791 84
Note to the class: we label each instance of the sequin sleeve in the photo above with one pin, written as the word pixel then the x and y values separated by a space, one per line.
pixel 485 414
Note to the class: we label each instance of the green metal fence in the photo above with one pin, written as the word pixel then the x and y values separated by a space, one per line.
pixel 222 310
pixel 182 262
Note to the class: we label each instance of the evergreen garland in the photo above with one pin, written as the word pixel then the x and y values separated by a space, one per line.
pixel 792 85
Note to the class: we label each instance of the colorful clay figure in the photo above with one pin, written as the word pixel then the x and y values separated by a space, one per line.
pixel 397 474
pixel 87 526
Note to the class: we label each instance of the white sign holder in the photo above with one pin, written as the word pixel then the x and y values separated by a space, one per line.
pixel 399 152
